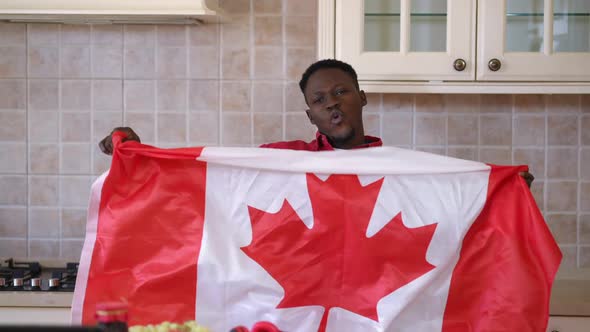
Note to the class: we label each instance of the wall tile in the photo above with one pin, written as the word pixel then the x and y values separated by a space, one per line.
pixel 529 130
pixel 140 95
pixel 171 62
pixel 374 102
pixel 431 149
pixel 107 62
pixel 585 229
pixel 75 159
pixel 585 103
pixel 268 97
pixel 463 130
pixel 298 59
pixel 562 196
pixel 12 33
pixel 235 96
pixel 534 158
pixel 43 248
pixel 43 95
pixel 529 103
pixel 563 103
pixel 585 196
pixel 268 128
pixel 585 164
pixel 43 34
pixel 496 103
pixel 562 163
pixel 466 153
pixel 235 63
pixel 204 62
pixel 74 190
pixel 17 195
pixel 13 247
pixel 235 6
pixel 294 100
pixel 171 127
pixel 171 95
pixel 297 126
pixel 497 156
pixel 236 33
pixel 538 191
pixel 43 190
pixel 44 158
pixel 43 61
pixel 371 124
pixel 75 61
pixel 103 123
pixel 398 102
pixel 44 127
pixel 13 94
pixel 563 129
pixel 268 6
pixel 236 129
pixel 570 257
pixel 13 158
pixel 140 62
pixel 75 127
pixel 429 103
pixel 13 61
pixel 71 249
pixel 203 95
pixel 268 30
pixel 75 34
pixel 563 227
pixel 144 35
pixel 585 130
pixel 397 129
pixel 171 35
pixel 13 126
pixel 298 7
pixel 300 31
pixel 204 128
pixel 107 95
pixel 107 35
pixel 73 223
pixel 101 162
pixel 496 129
pixel 13 221
pixel 75 95
pixel 204 35
pixel 584 254
pixel 460 103
pixel 430 130
pixel 44 222
pixel 143 124
pixel 268 62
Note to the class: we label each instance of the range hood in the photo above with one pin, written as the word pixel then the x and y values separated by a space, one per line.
pixel 110 11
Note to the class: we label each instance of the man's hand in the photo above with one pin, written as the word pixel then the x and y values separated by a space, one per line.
pixel 528 177
pixel 106 145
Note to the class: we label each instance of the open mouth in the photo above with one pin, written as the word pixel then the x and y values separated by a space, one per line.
pixel 336 117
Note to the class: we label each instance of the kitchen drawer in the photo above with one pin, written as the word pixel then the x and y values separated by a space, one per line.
pixel 34 316
pixel 568 324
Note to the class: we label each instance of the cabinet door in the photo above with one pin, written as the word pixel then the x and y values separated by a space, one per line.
pixel 407 39
pixel 533 40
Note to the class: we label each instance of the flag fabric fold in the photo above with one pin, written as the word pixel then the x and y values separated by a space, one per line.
pixel 379 239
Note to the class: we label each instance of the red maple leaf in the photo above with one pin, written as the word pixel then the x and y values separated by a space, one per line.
pixel 334 264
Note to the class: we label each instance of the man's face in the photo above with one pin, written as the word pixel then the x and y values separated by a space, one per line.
pixel 335 106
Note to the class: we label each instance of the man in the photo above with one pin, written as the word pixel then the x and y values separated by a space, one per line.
pixel 335 102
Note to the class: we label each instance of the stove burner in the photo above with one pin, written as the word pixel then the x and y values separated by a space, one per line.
pixel 31 276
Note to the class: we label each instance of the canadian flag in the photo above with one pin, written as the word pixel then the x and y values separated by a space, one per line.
pixel 379 239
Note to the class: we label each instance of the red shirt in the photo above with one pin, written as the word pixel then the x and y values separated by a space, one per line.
pixel 321 143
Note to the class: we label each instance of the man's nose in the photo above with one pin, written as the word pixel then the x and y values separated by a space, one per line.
pixel 332 102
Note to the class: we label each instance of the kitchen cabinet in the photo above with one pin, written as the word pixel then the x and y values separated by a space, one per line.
pixel 460 46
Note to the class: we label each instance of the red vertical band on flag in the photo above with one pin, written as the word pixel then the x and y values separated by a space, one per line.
pixel 149 234
pixel 502 281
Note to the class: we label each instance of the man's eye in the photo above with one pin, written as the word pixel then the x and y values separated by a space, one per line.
pixel 318 100
pixel 339 92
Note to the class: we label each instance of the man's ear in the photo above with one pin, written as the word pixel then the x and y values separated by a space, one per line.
pixel 309 116
pixel 363 97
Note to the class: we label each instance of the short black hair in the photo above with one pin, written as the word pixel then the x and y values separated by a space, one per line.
pixel 324 64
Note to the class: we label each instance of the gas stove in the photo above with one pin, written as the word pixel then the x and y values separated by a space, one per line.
pixel 21 276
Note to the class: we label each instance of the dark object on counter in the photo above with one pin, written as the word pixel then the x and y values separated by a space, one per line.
pixel 9 328
pixel 31 276
pixel 112 316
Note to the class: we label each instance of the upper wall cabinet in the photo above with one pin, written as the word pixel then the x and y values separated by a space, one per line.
pixel 460 46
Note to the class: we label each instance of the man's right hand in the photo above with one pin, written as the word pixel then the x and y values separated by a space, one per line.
pixel 106 145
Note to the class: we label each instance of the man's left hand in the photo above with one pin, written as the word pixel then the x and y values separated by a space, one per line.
pixel 528 177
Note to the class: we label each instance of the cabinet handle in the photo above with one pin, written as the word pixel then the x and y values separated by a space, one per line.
pixel 459 64
pixel 494 64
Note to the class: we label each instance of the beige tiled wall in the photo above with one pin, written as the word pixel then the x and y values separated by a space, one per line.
pixel 62 88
